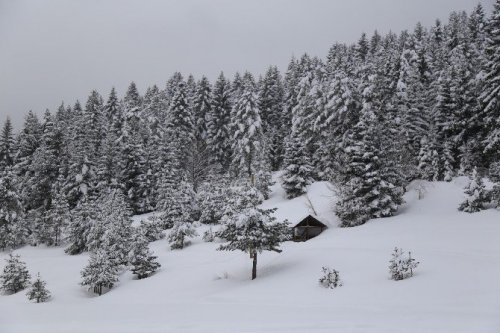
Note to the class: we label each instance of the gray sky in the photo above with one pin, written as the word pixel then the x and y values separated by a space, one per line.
pixel 56 50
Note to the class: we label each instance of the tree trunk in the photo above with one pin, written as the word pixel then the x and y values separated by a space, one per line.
pixel 254 268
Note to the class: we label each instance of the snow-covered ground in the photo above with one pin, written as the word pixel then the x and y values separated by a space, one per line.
pixel 455 289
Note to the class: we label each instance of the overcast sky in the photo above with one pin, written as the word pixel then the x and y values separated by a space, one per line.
pixel 56 50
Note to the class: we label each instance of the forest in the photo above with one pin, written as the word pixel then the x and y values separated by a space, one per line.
pixel 370 118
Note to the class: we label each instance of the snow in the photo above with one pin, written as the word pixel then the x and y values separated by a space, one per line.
pixel 198 289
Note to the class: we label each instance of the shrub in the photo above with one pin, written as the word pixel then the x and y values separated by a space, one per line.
pixel 401 265
pixel 330 278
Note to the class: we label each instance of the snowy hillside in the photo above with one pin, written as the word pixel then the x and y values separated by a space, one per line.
pixel 198 289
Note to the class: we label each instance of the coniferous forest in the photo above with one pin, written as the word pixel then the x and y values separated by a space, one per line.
pixel 369 117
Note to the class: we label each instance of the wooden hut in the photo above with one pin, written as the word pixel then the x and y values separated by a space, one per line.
pixel 308 228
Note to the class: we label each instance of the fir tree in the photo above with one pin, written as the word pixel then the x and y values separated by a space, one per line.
pixel 115 215
pixel 491 91
pixel 38 291
pixel 251 229
pixel 247 139
pixel 141 259
pixel 476 195
pixel 15 275
pixel 182 230
pixel 219 123
pixel 7 145
pixel 202 108
pixel 298 171
pixel 366 194
pixel 83 216
pixel 401 265
pixel 13 231
pixel 99 273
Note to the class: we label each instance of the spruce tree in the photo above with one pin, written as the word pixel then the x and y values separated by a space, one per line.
pixel 202 108
pixel 366 193
pixel 490 97
pixel 99 273
pixel 83 216
pixel 298 170
pixel 247 139
pixel 250 229
pixel 13 230
pixel 141 259
pixel 7 145
pixel 182 230
pixel 114 214
pixel 476 194
pixel 38 291
pixel 15 275
pixel 219 123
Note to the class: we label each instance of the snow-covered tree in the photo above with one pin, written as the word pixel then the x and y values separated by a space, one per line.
pixel 247 139
pixel 491 92
pixel 7 145
pixel 330 278
pixel 401 265
pixel 250 229
pixel 15 275
pixel 38 290
pixel 182 230
pixel 99 273
pixel 495 177
pixel 13 231
pixel 476 194
pixel 115 214
pixel 80 224
pixel 212 199
pixel 151 228
pixel 141 259
pixel 219 123
pixel 298 170
pixel 366 193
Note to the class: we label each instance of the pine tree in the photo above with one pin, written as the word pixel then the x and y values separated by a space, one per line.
pixel 212 199
pixel 181 119
pixel 219 123
pixel 491 91
pixel 7 145
pixel 247 139
pixel 182 230
pixel 83 216
pixel 366 193
pixel 271 106
pixel 141 259
pixel 494 173
pixel 15 275
pixel 38 291
pixel 99 273
pixel 13 231
pixel 58 216
pixel 202 108
pixel 476 195
pixel 152 229
pixel 114 214
pixel 298 171
pixel 251 229
pixel 401 265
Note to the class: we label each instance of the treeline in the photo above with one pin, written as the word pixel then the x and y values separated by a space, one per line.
pixel 370 117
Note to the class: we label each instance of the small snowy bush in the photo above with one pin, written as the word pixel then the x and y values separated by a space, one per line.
pixel 401 265
pixel 330 278
pixel 208 236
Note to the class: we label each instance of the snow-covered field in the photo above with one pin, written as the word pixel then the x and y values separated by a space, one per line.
pixel 455 289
